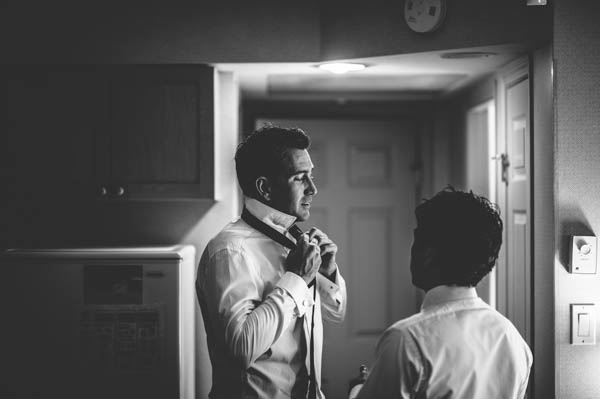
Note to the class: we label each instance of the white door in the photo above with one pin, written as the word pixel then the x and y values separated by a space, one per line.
pixel 480 171
pixel 514 267
pixel 365 203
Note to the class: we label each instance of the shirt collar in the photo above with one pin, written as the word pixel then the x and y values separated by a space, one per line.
pixel 272 217
pixel 447 293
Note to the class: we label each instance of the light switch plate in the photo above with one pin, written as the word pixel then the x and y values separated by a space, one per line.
pixel 583 324
pixel 583 255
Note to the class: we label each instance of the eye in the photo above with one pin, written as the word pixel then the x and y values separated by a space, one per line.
pixel 304 178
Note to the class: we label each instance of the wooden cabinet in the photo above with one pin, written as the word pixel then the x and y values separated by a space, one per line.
pixel 48 124
pixel 113 132
pixel 157 137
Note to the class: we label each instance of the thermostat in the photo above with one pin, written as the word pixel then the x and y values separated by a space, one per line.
pixel 583 255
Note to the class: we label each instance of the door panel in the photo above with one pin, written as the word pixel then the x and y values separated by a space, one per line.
pixel 518 226
pixel 514 195
pixel 369 239
pixel 365 203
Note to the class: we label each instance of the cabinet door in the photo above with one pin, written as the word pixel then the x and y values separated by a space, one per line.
pixel 158 139
pixel 49 119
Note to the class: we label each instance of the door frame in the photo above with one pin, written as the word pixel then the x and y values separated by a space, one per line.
pixel 543 375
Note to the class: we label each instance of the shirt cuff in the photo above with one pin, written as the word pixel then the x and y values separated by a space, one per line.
pixel 295 286
pixel 330 288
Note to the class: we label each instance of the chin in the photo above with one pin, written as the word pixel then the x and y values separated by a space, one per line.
pixel 302 218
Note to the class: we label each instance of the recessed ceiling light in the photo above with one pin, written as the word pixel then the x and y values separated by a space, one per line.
pixel 468 54
pixel 341 67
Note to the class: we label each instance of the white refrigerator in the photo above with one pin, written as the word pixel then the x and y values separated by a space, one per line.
pixel 97 323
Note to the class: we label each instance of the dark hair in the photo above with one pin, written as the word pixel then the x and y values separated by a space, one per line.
pixel 262 152
pixel 466 231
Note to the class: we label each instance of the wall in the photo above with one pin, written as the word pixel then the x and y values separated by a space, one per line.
pixel 152 32
pixel 243 31
pixel 225 209
pixel 371 28
pixel 577 187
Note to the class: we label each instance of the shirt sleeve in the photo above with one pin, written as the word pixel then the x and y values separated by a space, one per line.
pixel 333 297
pixel 527 373
pixel 250 324
pixel 397 371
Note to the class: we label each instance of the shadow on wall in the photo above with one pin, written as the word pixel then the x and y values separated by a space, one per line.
pixel 575 224
pixel 50 223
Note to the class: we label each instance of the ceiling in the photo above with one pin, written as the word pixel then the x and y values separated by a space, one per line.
pixel 417 76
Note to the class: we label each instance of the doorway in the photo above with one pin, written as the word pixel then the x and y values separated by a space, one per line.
pixel 366 196
pixel 488 116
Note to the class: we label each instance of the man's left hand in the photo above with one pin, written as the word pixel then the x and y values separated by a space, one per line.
pixel 328 251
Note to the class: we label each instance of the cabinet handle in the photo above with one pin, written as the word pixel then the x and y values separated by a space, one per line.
pixel 120 191
pixel 103 191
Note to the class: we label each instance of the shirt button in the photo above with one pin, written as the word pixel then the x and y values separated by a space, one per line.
pixel 306 302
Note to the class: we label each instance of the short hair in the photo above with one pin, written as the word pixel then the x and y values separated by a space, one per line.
pixel 466 231
pixel 262 153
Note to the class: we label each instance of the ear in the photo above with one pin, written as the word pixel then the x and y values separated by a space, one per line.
pixel 263 188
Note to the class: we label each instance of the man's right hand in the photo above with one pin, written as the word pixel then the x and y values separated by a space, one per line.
pixel 305 260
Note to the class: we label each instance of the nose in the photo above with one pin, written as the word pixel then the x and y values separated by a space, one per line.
pixel 311 189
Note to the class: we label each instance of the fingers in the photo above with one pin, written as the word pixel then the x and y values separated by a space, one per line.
pixel 319 237
pixel 329 248
pixel 326 245
pixel 317 252
pixel 310 254
pixel 313 263
pixel 307 242
pixel 313 249
pixel 316 234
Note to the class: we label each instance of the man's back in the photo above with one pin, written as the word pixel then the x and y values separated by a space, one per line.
pixel 456 347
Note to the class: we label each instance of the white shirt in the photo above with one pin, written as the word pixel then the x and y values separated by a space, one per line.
pixel 456 347
pixel 253 311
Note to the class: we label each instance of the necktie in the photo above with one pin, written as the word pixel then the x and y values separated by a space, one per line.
pixel 276 236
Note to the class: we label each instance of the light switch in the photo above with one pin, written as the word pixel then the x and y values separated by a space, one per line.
pixel 583 255
pixel 583 324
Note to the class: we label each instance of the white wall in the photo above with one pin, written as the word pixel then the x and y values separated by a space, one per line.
pixel 224 210
pixel 577 186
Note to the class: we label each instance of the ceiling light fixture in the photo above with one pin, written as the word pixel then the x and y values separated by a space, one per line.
pixel 341 67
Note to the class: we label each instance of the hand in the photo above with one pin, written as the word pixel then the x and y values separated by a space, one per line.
pixel 305 260
pixel 328 251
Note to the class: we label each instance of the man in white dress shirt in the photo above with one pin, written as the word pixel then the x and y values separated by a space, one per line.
pixel 264 288
pixel 456 346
